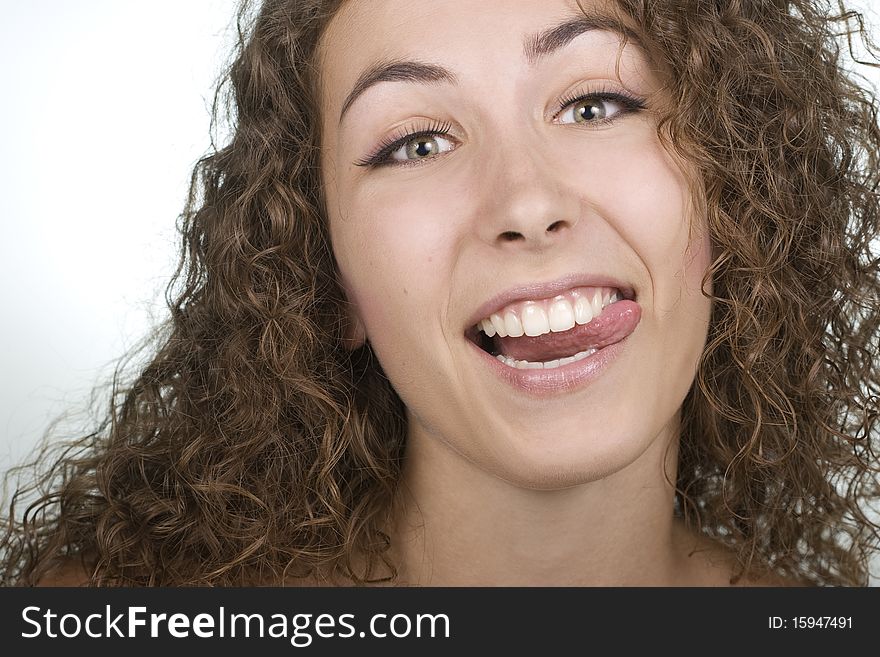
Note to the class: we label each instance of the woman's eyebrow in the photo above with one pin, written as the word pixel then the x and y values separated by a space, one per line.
pixel 535 48
pixel 396 71
pixel 552 39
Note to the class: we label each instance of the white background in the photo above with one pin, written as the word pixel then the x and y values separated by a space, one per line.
pixel 105 109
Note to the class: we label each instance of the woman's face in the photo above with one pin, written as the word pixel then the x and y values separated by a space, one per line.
pixel 512 201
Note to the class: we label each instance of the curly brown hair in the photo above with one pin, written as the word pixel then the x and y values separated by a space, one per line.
pixel 255 447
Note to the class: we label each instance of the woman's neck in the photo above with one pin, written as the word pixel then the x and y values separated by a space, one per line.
pixel 457 525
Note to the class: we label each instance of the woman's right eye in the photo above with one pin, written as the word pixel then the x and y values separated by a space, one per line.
pixel 421 147
pixel 423 142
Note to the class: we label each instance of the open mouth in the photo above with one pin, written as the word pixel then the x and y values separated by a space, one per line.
pixel 551 333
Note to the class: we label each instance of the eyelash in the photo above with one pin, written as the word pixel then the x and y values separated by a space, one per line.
pixel 387 147
pixel 630 103
pixel 380 156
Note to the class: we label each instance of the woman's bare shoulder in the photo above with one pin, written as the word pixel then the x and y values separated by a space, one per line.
pixel 70 572
pixel 77 572
pixel 710 563
pixel 774 580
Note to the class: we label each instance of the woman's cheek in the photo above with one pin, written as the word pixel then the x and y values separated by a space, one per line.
pixel 389 262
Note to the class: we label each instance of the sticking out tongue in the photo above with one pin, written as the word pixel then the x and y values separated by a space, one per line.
pixel 615 323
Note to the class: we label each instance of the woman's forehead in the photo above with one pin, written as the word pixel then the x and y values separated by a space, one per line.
pixel 366 42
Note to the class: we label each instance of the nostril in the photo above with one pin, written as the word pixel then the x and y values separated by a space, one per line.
pixel 510 235
pixel 554 226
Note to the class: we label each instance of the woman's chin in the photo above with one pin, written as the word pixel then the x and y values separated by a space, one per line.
pixel 553 465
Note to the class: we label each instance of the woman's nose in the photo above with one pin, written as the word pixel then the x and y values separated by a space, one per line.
pixel 525 201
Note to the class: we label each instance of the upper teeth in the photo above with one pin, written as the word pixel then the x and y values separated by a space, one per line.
pixel 561 313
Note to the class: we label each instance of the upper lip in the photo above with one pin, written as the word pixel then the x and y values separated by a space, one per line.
pixel 545 291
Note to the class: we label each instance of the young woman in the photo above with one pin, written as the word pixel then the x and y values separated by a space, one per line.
pixel 505 293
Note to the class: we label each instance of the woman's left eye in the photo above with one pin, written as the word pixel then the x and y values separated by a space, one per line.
pixel 598 108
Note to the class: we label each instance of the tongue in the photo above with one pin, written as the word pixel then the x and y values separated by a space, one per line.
pixel 615 323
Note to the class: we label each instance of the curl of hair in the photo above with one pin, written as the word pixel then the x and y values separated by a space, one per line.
pixel 254 448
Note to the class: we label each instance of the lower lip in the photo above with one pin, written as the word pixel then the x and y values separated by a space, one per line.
pixel 567 378
pixel 543 383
